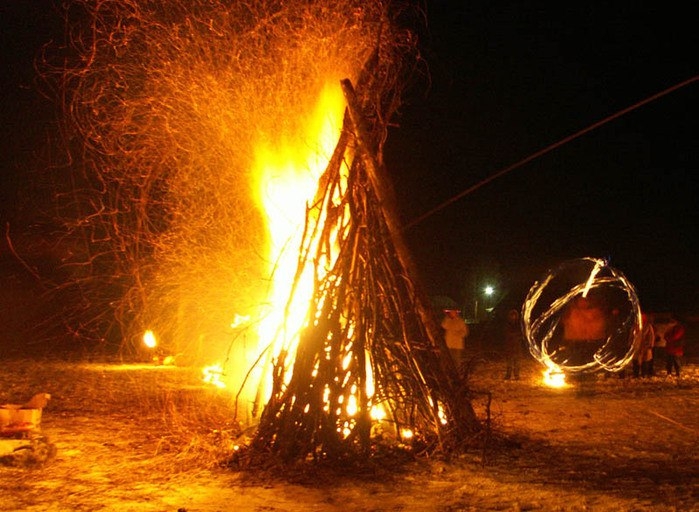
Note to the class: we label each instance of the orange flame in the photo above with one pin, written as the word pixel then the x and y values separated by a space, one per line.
pixel 149 339
pixel 287 172
pixel 553 376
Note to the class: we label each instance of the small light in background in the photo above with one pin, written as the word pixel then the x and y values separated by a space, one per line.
pixel 149 339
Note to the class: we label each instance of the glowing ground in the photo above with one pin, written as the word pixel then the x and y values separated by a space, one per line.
pixel 146 439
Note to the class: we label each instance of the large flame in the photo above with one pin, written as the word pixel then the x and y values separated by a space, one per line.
pixel 207 125
pixel 288 181
pixel 287 172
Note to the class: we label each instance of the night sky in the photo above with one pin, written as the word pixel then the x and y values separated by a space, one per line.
pixel 506 81
pixel 509 79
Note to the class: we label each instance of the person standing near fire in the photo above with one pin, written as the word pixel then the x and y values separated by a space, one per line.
pixel 674 346
pixel 514 344
pixel 585 327
pixel 455 333
pixel 643 358
pixel 659 352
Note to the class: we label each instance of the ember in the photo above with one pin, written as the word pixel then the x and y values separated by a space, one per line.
pixel 214 375
pixel 149 339
pixel 554 377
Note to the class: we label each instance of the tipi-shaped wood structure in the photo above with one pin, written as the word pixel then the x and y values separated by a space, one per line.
pixel 370 338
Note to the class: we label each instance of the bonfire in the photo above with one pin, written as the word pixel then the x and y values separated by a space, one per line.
pixel 228 196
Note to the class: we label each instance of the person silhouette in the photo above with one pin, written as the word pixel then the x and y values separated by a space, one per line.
pixel 585 327
pixel 514 344
pixel 674 346
pixel 455 332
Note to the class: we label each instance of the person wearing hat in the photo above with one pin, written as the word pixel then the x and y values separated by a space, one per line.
pixel 455 332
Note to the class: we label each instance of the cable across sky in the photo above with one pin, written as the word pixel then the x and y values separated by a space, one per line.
pixel 548 149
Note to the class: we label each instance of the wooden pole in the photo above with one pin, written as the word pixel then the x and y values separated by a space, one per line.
pixel 386 197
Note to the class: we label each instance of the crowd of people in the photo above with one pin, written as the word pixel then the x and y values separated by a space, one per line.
pixel 659 347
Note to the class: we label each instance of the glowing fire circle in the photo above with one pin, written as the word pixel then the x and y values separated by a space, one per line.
pixel 583 316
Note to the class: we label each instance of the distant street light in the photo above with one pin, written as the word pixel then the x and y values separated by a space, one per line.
pixel 489 291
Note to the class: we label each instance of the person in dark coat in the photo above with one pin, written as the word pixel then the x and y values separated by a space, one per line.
pixel 514 344
pixel 674 346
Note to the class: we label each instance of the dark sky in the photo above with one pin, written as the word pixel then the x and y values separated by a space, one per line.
pixel 512 78
pixel 508 79
pixel 27 117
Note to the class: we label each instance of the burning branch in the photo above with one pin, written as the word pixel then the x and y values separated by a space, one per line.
pixel 366 319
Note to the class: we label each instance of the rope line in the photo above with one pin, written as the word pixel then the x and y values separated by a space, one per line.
pixel 547 149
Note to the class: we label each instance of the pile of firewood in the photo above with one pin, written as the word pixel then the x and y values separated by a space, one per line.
pixel 369 327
